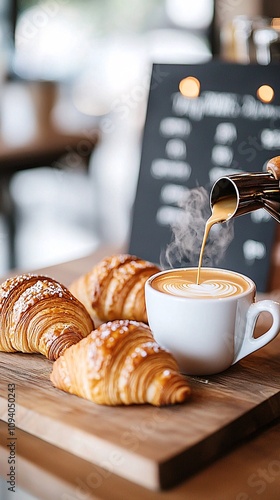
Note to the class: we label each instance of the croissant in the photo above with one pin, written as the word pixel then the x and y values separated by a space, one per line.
pixel 114 288
pixel 120 364
pixel 38 314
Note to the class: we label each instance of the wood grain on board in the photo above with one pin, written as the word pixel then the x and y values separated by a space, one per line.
pixel 153 447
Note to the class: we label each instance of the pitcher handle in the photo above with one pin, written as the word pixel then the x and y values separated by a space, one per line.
pixel 273 166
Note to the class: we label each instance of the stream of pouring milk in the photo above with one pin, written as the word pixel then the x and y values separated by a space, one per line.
pixel 221 211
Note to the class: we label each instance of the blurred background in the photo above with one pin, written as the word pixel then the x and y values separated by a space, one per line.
pixel 74 80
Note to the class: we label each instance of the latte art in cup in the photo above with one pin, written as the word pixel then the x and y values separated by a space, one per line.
pixel 207 326
pixel 208 288
pixel 213 284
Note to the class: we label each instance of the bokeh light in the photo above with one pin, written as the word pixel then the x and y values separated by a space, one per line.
pixel 190 87
pixel 265 93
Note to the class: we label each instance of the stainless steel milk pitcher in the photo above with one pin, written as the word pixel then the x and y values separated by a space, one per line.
pixel 251 190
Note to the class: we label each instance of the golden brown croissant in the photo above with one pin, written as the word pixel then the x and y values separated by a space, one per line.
pixel 38 314
pixel 114 288
pixel 120 363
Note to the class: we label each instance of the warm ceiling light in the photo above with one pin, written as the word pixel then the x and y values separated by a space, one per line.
pixel 275 23
pixel 189 87
pixel 265 93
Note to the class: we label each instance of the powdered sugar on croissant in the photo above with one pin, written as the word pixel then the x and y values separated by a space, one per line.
pixel 120 363
pixel 38 314
pixel 114 288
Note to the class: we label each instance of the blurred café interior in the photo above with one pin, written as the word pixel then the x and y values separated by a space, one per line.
pixel 74 85
pixel 74 80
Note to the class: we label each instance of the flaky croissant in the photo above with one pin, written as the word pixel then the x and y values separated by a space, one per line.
pixel 120 363
pixel 114 288
pixel 38 314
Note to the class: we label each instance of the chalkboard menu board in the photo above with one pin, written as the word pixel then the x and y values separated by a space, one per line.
pixel 189 142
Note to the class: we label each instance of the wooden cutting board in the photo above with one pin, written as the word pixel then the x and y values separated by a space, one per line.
pixel 154 447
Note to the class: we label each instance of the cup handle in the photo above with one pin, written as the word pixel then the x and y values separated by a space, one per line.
pixel 251 344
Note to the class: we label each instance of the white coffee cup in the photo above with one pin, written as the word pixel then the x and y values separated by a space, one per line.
pixel 207 332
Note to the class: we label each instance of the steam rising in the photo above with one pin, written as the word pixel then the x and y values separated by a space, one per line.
pixel 188 231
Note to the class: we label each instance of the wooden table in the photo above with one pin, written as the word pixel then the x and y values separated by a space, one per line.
pixel 249 471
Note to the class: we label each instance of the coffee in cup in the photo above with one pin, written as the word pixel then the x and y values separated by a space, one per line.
pixel 207 326
pixel 182 283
